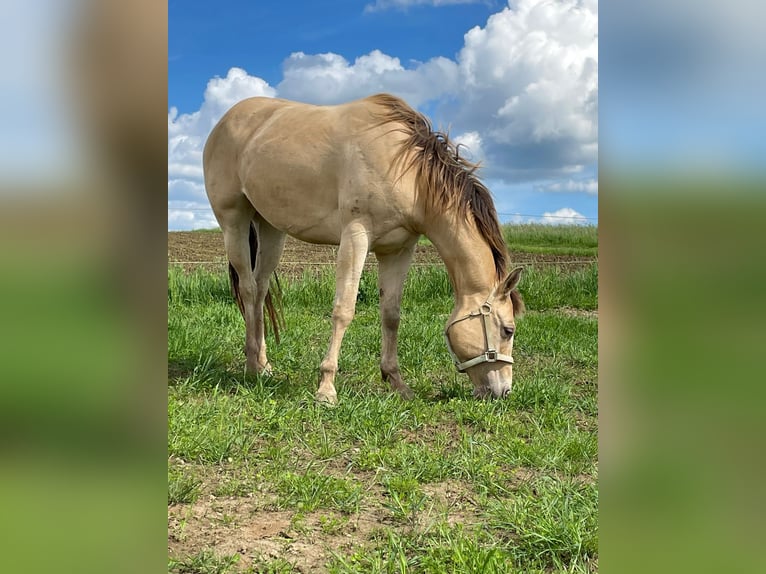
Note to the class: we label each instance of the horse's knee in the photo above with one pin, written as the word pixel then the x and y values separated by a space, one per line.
pixel 342 316
pixel 390 319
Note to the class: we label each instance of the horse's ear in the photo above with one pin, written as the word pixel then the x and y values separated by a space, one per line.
pixel 510 282
pixel 508 289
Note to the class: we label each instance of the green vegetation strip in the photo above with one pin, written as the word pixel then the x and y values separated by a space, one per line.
pixel 557 238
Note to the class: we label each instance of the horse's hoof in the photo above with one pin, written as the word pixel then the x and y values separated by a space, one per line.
pixel 327 398
pixel 405 392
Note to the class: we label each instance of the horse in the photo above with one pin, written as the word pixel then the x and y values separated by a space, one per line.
pixel 367 175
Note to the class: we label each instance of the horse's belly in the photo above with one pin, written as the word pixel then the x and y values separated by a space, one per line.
pixel 320 234
pixel 322 229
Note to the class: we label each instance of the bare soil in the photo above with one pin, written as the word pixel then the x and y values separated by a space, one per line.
pixel 253 528
pixel 192 249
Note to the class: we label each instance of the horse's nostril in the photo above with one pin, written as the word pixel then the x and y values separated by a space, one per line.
pixel 506 392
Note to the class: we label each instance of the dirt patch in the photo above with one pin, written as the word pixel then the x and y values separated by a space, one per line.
pixel 253 528
pixel 243 527
pixel 572 312
pixel 192 249
pixel 227 527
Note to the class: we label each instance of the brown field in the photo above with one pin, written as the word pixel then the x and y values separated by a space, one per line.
pixel 205 249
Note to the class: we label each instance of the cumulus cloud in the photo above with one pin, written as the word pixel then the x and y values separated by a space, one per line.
pixel 379 5
pixel 331 79
pixel 223 93
pixel 529 85
pixel 589 186
pixel 564 216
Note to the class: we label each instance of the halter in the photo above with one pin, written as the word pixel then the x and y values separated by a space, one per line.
pixel 490 354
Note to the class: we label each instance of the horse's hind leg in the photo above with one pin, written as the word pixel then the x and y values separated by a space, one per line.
pixel 271 242
pixel 392 270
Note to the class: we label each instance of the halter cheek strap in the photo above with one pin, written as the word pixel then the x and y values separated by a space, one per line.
pixel 490 354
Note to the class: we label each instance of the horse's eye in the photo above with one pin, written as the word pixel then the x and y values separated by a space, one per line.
pixel 508 332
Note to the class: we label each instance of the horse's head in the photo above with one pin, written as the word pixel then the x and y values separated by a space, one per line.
pixel 480 339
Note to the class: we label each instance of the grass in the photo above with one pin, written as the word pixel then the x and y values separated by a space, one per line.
pixel 543 288
pixel 205 562
pixel 581 240
pixel 443 548
pixel 310 490
pixel 449 483
pixel 182 487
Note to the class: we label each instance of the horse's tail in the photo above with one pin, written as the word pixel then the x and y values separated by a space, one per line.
pixel 273 302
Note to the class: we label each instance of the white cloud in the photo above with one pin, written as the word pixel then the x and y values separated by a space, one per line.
pixel 563 216
pixel 529 83
pixel 470 146
pixel 331 79
pixel 379 5
pixel 183 189
pixel 589 186
pixel 190 170
pixel 185 220
pixel 220 95
pixel 223 93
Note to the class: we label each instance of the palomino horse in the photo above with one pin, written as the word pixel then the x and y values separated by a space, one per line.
pixel 368 175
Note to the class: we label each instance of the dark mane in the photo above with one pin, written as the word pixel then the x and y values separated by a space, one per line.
pixel 447 180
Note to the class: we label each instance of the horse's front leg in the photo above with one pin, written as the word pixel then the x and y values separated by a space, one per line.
pixel 392 271
pixel 352 252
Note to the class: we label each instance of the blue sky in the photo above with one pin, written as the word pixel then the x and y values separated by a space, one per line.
pixel 516 82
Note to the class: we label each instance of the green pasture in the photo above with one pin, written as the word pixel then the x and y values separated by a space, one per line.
pixel 443 483
pixel 581 240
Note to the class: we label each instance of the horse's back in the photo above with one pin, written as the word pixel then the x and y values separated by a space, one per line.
pixel 307 169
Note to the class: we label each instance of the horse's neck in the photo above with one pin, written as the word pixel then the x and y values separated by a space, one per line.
pixel 467 257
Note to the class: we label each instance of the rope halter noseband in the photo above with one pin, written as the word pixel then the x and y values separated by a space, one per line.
pixel 490 354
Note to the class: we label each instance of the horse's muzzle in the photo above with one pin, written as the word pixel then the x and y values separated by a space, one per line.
pixel 499 390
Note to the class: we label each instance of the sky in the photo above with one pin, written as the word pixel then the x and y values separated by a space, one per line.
pixel 515 82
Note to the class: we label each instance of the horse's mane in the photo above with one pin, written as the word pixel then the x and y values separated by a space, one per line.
pixel 446 180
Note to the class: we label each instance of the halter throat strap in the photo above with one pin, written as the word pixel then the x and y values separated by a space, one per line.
pixel 490 354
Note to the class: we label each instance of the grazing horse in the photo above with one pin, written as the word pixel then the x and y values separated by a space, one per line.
pixel 368 175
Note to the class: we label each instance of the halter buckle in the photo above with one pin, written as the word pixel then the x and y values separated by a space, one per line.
pixel 491 355
pixel 486 308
